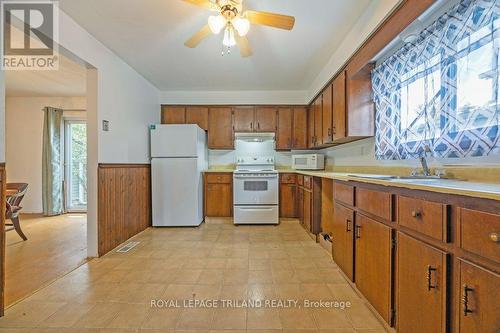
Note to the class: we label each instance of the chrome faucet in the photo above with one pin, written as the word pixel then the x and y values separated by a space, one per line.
pixel 423 161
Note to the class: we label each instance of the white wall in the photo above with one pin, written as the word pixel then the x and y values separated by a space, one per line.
pixel 23 141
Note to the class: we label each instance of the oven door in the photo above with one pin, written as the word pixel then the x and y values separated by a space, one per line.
pixel 255 189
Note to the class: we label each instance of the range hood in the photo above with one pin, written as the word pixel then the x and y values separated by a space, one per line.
pixel 254 137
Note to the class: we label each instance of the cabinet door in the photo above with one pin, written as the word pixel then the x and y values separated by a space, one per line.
pixel 360 107
pixel 265 119
pixel 244 119
pixel 287 200
pixel 300 128
pixel 197 115
pixel 220 128
pixel 373 263
pixel 343 239
pixel 310 125
pixel 338 107
pixel 327 115
pixel 173 114
pixel 307 210
pixel 327 206
pixel 284 132
pixel 300 204
pixel 218 201
pixel 479 299
pixel 318 121
pixel 421 286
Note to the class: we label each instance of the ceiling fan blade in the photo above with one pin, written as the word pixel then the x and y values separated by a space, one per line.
pixel 270 19
pixel 203 3
pixel 198 37
pixel 243 45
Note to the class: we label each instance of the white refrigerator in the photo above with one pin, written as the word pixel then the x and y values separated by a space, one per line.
pixel 178 158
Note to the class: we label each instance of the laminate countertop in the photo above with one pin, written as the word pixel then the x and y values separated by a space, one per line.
pixel 446 186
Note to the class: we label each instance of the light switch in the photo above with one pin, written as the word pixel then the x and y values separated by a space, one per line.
pixel 105 125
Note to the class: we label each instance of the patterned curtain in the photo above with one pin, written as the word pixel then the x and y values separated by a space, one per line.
pixel 440 93
pixel 52 158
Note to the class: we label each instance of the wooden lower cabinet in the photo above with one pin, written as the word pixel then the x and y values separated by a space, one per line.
pixel 373 264
pixel 218 195
pixel 421 286
pixel 300 204
pixel 288 198
pixel 307 210
pixel 479 306
pixel 327 206
pixel 343 239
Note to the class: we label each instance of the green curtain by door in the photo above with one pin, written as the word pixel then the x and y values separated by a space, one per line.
pixel 52 167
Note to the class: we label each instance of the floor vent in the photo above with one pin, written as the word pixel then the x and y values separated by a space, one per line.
pixel 127 247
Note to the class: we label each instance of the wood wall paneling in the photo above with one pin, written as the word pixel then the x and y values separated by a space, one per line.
pixel 3 184
pixel 124 203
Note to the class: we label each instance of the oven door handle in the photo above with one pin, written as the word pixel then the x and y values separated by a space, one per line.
pixel 255 178
pixel 253 209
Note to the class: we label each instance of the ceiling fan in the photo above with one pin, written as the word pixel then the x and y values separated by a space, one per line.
pixel 235 23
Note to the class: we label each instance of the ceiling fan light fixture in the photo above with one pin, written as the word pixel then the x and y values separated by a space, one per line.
pixel 216 23
pixel 242 25
pixel 229 39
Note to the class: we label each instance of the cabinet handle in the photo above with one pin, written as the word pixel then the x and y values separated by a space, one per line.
pixel 258 125
pixel 494 237
pixel 348 227
pixel 465 300
pixel 251 125
pixel 430 269
pixel 358 232
pixel 416 214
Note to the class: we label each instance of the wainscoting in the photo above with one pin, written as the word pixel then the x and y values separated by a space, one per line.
pixel 124 203
pixel 3 184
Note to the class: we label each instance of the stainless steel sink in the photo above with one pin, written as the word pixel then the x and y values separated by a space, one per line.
pixel 403 178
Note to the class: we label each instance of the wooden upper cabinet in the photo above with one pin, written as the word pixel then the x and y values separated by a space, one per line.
pixel 300 128
pixel 373 263
pixel 244 119
pixel 327 116
pixel 318 121
pixel 360 106
pixel 310 126
pixel 338 107
pixel 479 299
pixel 421 286
pixel 284 131
pixel 220 128
pixel 265 119
pixel 173 114
pixel 197 115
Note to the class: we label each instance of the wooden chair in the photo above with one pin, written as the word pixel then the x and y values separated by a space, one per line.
pixel 15 194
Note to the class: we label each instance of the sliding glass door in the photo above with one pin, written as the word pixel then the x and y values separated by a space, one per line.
pixel 75 165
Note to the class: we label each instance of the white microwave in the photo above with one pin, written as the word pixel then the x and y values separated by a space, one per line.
pixel 308 162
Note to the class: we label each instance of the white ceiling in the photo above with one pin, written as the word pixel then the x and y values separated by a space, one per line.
pixel 149 35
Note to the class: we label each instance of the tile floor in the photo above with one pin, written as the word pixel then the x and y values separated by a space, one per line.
pixel 215 261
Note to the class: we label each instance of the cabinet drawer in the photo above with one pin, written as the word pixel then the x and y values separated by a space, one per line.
pixel 219 178
pixel 374 202
pixel 480 233
pixel 423 216
pixel 344 193
pixel 288 178
pixel 308 182
pixel 300 180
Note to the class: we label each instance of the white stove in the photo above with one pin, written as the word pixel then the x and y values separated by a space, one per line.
pixel 255 191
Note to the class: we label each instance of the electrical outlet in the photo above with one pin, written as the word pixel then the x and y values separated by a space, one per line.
pixel 105 125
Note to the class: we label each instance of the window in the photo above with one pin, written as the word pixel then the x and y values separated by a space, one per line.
pixel 441 92
pixel 76 165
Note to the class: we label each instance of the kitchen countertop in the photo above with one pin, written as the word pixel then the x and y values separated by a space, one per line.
pixel 447 186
